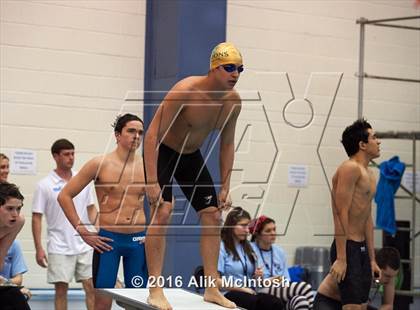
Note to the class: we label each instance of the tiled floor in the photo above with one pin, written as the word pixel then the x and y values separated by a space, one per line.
pixel 44 300
pixel 73 305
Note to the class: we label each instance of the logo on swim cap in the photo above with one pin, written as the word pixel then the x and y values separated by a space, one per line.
pixel 223 54
pixel 219 55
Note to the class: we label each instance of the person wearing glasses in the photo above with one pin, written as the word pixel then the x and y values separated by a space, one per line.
pixel 239 265
pixel 192 109
pixel 297 295
pixel 388 259
pixel 120 189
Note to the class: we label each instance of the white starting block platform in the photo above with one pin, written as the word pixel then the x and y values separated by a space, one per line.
pixel 136 299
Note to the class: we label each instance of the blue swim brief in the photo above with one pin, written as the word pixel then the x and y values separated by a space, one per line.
pixel 131 248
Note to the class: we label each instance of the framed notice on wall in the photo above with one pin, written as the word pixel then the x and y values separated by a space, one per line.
pixel 407 181
pixel 298 175
pixel 23 162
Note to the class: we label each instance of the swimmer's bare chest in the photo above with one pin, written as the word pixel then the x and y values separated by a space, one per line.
pixel 361 207
pixel 194 122
pixel 364 192
pixel 120 186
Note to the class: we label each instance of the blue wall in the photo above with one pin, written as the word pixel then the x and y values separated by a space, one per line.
pixel 180 35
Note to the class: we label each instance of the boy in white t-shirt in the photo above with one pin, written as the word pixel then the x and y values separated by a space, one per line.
pixel 68 255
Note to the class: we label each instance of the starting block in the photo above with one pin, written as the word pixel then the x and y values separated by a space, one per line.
pixel 180 299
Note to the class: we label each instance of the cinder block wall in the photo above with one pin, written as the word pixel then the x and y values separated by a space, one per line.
pixel 312 43
pixel 66 67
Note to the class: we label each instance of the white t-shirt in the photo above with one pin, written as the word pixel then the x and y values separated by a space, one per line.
pixel 62 238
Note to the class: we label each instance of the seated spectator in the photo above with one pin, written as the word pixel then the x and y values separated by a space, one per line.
pixel 18 263
pixel 238 263
pixel 11 222
pixel 274 260
pixel 15 267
